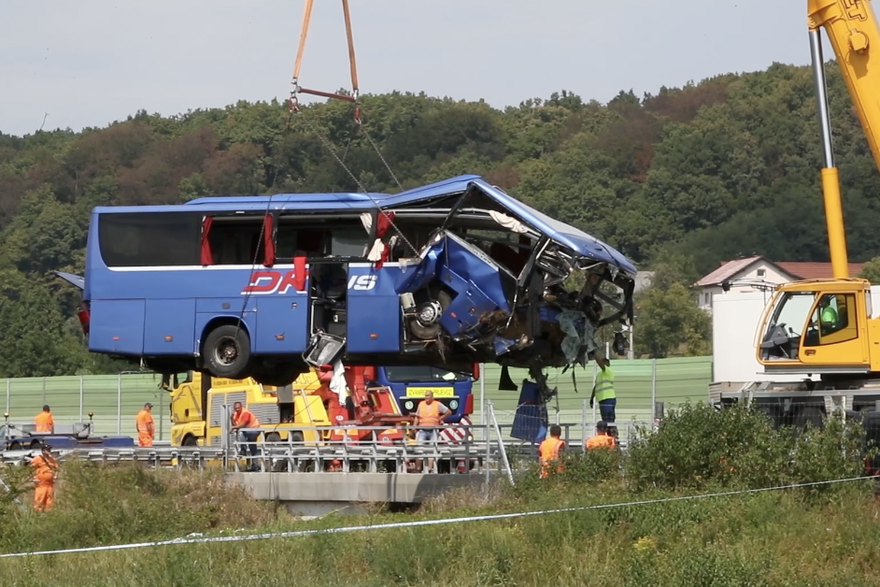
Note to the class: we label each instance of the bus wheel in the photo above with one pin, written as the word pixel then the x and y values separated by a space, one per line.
pixel 273 437
pixel 190 441
pixel 228 351
pixel 36 444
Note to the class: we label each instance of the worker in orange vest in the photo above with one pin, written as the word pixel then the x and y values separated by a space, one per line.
pixel 429 415
pixel 244 418
pixel 46 471
pixel 44 421
pixel 145 428
pixel 602 438
pixel 550 450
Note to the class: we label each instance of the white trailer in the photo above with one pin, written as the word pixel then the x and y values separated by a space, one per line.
pixel 788 399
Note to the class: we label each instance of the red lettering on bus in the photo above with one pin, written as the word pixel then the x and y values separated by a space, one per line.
pixel 262 282
pixel 270 282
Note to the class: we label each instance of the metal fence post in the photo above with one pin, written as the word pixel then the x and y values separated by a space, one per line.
pixel 482 393
pixel 44 391
pixel 584 426
pixel 8 388
pixel 501 448
pixel 653 390
pixel 488 449
pixel 595 374
pixel 81 389
pixel 119 404
pixel 224 435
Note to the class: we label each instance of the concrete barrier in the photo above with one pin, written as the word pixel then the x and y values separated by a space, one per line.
pixel 322 493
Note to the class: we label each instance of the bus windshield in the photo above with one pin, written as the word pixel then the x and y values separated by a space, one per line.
pixel 421 374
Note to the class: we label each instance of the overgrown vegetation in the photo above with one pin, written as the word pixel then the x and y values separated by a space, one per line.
pixel 823 535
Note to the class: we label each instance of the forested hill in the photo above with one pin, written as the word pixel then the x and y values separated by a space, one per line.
pixel 726 167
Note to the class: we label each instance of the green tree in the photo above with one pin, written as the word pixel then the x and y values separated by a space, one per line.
pixel 871 271
pixel 668 322
pixel 34 331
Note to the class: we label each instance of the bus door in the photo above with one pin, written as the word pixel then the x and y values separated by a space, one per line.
pixel 374 310
pixel 352 307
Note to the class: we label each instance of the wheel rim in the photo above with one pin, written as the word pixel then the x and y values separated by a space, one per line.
pixel 226 351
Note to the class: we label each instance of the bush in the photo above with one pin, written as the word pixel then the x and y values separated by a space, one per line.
pixel 698 446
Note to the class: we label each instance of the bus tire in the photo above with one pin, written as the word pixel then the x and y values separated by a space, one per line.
pixel 190 440
pixel 227 351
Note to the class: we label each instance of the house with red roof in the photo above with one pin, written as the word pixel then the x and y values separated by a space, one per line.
pixel 759 273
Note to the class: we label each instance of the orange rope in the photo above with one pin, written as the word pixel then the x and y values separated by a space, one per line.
pixel 307 17
pixel 350 38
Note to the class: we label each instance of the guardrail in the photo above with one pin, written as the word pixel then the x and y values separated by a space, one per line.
pixel 482 448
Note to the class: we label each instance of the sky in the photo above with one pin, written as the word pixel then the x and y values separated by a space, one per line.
pixel 90 62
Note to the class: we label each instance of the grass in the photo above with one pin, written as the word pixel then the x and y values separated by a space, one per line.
pixel 780 538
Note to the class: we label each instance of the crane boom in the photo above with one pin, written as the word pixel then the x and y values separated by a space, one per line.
pixel 852 29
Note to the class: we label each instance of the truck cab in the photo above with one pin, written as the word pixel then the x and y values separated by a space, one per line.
pixel 410 383
pixel 820 326
pixel 194 426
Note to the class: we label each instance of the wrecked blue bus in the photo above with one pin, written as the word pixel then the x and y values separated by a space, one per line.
pixel 451 274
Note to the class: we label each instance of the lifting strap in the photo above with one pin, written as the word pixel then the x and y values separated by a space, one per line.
pixel 297 89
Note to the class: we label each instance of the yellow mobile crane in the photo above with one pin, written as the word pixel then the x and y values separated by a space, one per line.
pixel 825 327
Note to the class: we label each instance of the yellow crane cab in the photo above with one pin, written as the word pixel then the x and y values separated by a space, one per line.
pixel 819 326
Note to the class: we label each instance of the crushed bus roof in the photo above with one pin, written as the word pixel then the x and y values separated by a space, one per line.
pixel 567 235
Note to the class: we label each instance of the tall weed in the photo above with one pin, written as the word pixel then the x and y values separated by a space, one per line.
pixel 102 505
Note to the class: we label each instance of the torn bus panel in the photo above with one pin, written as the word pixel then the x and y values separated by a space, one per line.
pixel 457 285
pixel 503 281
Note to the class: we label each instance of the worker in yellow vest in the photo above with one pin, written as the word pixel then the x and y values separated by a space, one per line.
pixel 550 451
pixel 603 391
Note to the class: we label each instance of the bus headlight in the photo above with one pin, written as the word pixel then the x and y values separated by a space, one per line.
pixel 453 405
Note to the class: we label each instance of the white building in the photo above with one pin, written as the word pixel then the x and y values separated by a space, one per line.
pixel 754 274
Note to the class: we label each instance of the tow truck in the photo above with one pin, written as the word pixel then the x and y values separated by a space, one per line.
pixel 308 410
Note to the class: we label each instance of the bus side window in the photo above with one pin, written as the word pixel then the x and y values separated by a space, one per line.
pixel 236 241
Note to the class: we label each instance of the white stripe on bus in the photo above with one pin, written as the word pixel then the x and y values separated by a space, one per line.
pixel 259 267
